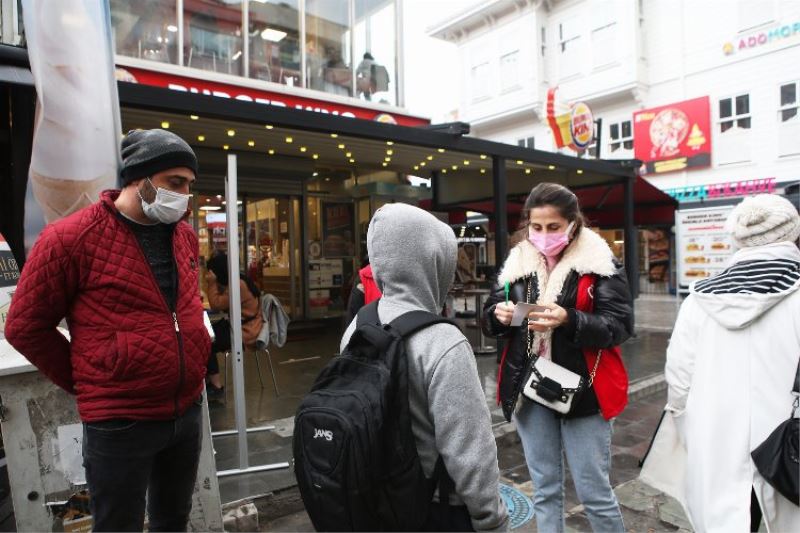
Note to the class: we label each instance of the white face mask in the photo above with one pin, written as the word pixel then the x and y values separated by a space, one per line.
pixel 168 206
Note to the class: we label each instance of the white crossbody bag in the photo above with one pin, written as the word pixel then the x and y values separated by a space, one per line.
pixel 553 385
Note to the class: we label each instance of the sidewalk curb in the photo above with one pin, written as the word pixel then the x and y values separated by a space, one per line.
pixel 641 388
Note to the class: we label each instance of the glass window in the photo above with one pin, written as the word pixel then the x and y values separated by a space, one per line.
pixel 789 101
pixel 274 41
pixel 328 65
pixel 569 42
pixel 375 50
pixel 145 29
pixel 734 111
pixel 480 81
pixel 509 70
pixel 212 38
pixel 621 135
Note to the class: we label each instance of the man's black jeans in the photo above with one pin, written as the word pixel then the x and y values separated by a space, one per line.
pixel 126 460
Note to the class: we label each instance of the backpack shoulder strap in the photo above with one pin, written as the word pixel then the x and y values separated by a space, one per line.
pixel 368 314
pixel 413 321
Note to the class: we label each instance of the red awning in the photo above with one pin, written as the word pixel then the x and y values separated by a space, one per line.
pixel 603 206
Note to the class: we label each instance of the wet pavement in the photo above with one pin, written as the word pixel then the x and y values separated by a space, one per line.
pixel 307 351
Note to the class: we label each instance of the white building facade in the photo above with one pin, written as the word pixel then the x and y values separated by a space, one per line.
pixel 622 56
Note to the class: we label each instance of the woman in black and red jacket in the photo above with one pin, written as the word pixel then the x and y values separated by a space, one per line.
pixel 571 271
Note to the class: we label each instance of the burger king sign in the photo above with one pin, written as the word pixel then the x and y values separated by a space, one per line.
pixel 572 125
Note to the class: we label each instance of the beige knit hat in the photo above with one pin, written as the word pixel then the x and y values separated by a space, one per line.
pixel 763 219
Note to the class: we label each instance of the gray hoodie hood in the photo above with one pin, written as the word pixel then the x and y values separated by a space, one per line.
pixel 413 256
pixel 757 279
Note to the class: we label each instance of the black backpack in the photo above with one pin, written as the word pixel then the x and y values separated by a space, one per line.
pixel 355 455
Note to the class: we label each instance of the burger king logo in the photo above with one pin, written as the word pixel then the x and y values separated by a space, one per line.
pixel 581 126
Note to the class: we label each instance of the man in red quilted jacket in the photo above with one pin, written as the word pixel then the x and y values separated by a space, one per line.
pixel 124 274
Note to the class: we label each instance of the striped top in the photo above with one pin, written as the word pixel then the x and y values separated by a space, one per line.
pixel 753 277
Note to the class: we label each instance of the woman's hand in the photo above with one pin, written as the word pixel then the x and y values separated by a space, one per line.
pixel 503 312
pixel 553 317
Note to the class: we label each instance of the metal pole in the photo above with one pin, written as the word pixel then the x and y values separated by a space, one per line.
pixel 235 311
pixel 246 39
pixel 631 248
pixel 301 23
pixel 500 189
pixel 179 8
pixel 399 74
pixel 435 189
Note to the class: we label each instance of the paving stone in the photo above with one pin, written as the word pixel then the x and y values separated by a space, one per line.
pixel 671 512
pixel 637 496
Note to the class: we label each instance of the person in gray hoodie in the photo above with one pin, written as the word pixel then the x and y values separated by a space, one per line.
pixel 413 258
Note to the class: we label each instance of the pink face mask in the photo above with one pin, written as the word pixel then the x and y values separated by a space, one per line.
pixel 550 244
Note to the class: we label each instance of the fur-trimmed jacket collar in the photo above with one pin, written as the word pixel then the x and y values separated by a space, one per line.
pixel 587 254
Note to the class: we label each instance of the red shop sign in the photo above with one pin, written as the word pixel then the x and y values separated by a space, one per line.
pixel 674 137
pixel 247 94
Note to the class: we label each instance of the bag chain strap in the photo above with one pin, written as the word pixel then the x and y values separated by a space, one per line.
pixel 592 374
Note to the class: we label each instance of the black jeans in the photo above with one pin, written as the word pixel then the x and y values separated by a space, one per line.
pixel 222 342
pixel 448 518
pixel 127 459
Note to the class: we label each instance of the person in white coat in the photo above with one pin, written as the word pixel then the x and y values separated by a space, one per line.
pixel 730 368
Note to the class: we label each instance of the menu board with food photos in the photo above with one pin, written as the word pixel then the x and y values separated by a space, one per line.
pixel 704 247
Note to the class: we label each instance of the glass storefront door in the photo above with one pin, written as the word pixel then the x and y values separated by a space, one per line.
pixel 269 248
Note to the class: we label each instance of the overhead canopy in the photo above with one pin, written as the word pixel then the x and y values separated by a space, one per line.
pixel 602 205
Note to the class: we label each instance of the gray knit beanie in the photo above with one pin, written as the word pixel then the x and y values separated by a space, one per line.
pixel 148 152
pixel 763 219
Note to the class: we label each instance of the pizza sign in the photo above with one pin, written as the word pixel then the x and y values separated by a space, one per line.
pixel 674 137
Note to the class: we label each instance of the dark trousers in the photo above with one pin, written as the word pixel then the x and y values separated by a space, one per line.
pixel 448 518
pixel 222 342
pixel 127 460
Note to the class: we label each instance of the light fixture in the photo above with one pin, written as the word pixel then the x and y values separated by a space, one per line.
pixel 193 117
pixel 225 146
pixel 580 171
pixel 389 143
pixel 315 156
pixel 519 161
pixel 466 162
pixel 551 167
pixel 389 152
pixel 251 143
pixel 341 146
pixel 315 174
pixel 527 171
pixel 210 208
pixel 444 171
pixel 268 126
pixel 289 140
pixel 201 138
pixel 334 135
pixel 619 242
pixel 348 154
pixel 165 124
pixel 422 164
pixel 483 171
pixel 384 164
pixel 237 55
pixel 271 151
pixel 454 167
pixel 429 158
pixel 440 150
pixel 483 156
pixel 416 167
pixel 387 159
pixel 352 160
pixel 172 28
pixel 208 199
pixel 327 179
pixel 231 133
pixel 303 149
pixel 274 36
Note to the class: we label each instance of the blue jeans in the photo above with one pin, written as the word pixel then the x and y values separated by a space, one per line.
pixel 586 442
pixel 126 460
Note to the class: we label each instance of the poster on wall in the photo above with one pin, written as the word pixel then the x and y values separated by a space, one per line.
pixel 657 255
pixel 338 229
pixel 673 137
pixel 9 274
pixel 704 247
pixel 325 274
